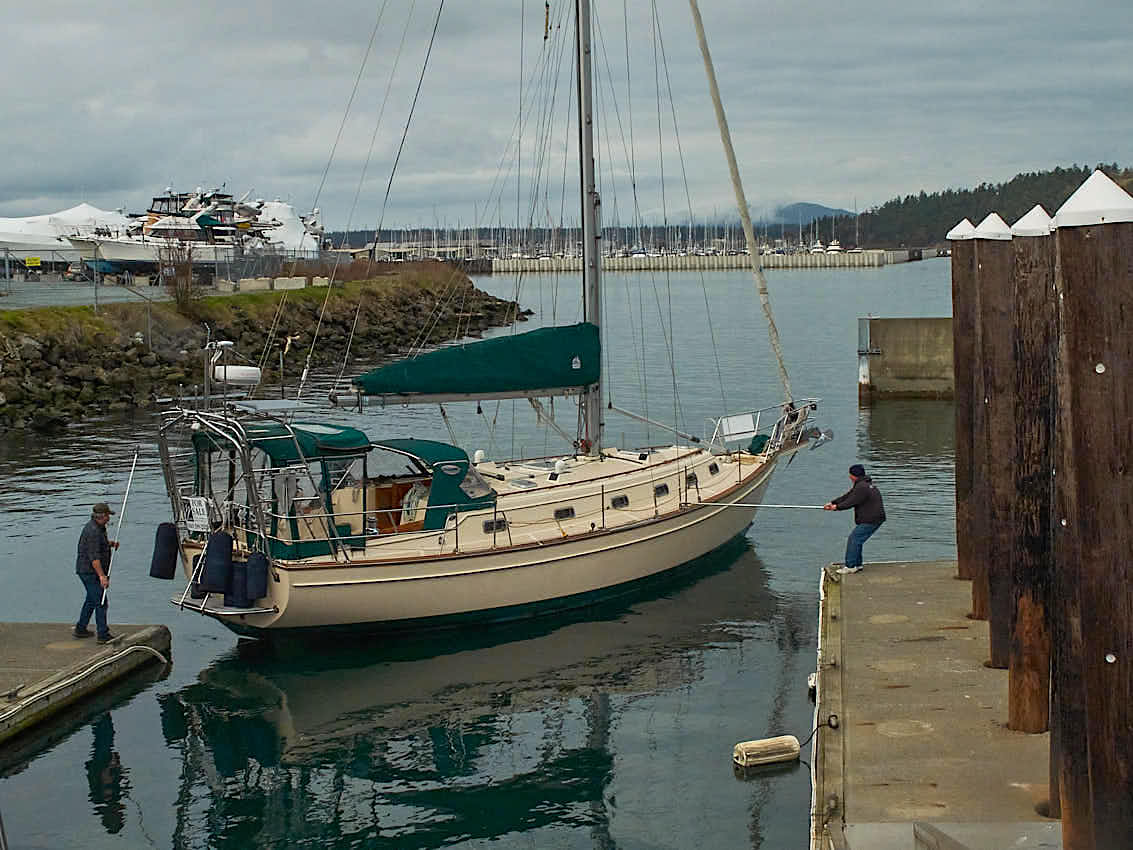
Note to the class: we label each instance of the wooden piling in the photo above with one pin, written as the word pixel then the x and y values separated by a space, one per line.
pixel 964 307
pixel 1094 515
pixel 994 430
pixel 1028 697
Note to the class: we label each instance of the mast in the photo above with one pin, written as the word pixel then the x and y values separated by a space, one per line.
pixel 591 250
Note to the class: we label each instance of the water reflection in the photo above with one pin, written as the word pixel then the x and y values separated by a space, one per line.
pixel 915 432
pixel 453 737
pixel 107 778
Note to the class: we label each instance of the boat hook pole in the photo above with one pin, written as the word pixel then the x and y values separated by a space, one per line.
pixel 121 517
pixel 751 505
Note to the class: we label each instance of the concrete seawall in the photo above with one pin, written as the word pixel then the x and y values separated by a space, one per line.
pixel 713 262
pixel 905 358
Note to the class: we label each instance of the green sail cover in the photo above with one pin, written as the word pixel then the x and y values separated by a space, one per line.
pixel 553 359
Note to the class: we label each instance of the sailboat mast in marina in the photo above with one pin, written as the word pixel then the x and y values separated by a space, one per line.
pixel 286 524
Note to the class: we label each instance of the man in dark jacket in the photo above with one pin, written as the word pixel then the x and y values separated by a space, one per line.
pixel 93 567
pixel 869 514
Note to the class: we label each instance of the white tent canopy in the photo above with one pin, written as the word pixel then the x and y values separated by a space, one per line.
pixel 68 221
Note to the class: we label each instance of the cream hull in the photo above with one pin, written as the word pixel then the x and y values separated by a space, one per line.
pixel 496 584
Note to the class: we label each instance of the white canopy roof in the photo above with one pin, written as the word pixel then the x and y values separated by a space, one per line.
pixel 77 218
pixel 290 235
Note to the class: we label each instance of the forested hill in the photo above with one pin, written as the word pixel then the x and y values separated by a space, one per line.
pixel 924 219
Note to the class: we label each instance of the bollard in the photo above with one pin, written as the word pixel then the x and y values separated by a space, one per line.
pixel 1092 616
pixel 964 309
pixel 994 262
pixel 1028 689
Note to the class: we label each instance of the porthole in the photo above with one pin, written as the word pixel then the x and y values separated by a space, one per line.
pixel 564 513
pixel 690 480
pixel 619 502
pixel 660 491
pixel 713 468
pixel 493 525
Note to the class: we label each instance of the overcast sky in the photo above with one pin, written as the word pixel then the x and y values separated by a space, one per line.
pixel 829 102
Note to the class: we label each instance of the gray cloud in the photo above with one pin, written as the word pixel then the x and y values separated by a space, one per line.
pixel 827 102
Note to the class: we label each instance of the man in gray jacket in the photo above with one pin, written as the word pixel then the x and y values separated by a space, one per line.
pixel 869 514
pixel 93 567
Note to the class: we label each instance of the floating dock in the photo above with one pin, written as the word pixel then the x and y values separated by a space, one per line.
pixel 921 756
pixel 43 669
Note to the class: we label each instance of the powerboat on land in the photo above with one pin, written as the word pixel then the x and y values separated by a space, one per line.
pixel 207 228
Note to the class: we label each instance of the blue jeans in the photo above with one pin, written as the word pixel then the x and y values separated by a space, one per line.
pixel 861 533
pixel 93 605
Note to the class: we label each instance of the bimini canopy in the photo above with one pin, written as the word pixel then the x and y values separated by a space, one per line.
pixel 314 439
pixel 427 452
pixel 456 485
pixel 545 362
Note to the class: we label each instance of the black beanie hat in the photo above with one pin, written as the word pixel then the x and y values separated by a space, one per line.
pixel 857 470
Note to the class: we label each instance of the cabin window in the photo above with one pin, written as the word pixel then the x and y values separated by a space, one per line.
pixel 690 480
pixel 474 486
pixel 713 468
pixel 564 513
pixel 660 491
pixel 491 526
pixel 619 502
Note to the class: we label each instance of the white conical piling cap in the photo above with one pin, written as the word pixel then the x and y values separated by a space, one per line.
pixel 1097 201
pixel 1034 223
pixel 993 227
pixel 964 230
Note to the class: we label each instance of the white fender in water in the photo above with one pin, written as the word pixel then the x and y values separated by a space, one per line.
pixel 766 751
pixel 241 376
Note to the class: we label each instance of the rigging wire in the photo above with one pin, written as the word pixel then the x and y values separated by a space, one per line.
pixel 741 201
pixel 688 201
pixel 656 27
pixel 362 180
pixel 389 185
pixel 273 329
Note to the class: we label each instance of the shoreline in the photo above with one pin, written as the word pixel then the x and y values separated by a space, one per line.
pixel 65 364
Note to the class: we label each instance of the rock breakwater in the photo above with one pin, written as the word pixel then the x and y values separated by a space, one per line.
pixel 64 364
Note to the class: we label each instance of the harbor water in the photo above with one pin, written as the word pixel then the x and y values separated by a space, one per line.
pixel 610 727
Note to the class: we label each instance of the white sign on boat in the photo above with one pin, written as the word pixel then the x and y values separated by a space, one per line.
pixel 240 376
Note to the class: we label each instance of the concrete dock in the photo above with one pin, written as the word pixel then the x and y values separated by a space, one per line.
pixel 43 669
pixel 921 756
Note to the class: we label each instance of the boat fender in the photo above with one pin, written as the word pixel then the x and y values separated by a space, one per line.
pixel 164 562
pixel 766 751
pixel 257 576
pixel 217 573
pixel 237 595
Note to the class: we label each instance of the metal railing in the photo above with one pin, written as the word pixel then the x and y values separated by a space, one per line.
pixel 785 428
pixel 475 529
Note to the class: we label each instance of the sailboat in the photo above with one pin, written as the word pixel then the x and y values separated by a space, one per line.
pixel 284 525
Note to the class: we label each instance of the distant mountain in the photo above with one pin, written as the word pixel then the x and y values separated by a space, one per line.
pixel 803 213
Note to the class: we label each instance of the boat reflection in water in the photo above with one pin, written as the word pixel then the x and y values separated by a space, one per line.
pixel 455 736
